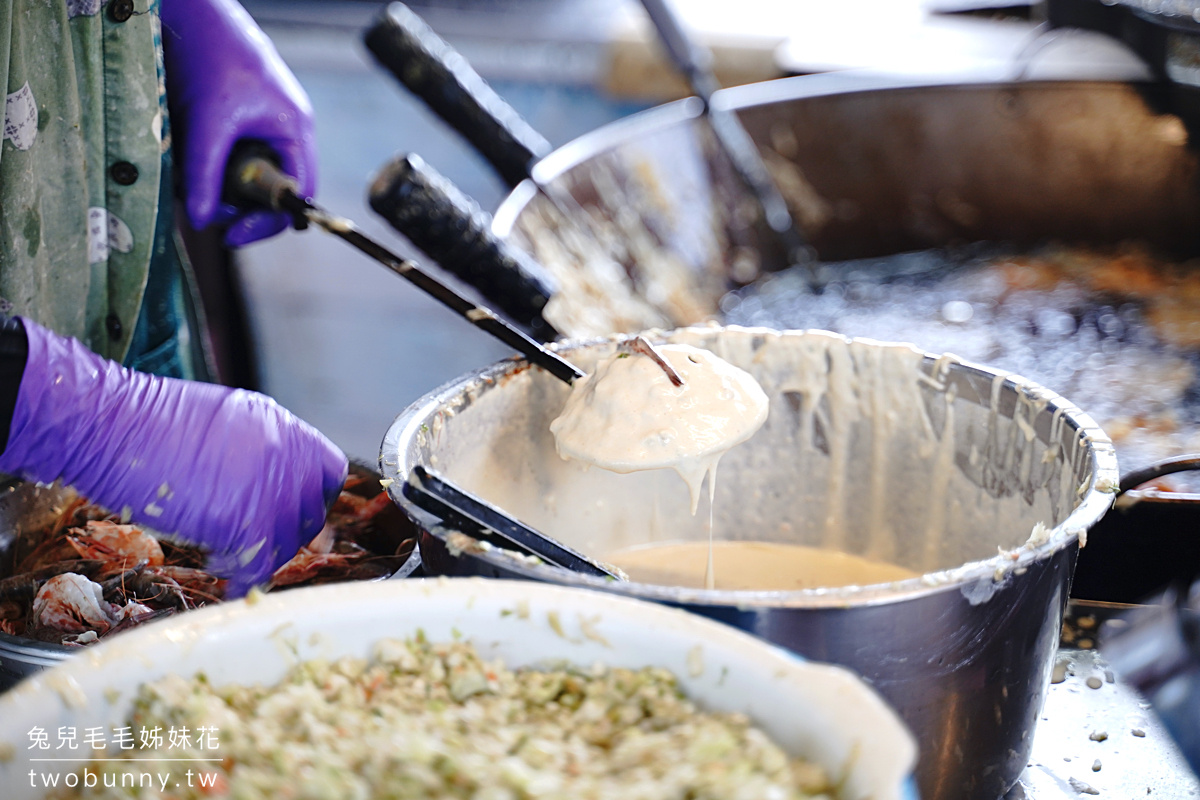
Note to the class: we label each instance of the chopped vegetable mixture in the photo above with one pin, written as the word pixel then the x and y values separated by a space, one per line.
pixel 426 720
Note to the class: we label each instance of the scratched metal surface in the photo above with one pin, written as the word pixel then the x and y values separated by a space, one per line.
pixel 1087 744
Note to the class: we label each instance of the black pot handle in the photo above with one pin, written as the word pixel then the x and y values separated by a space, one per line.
pixel 1158 469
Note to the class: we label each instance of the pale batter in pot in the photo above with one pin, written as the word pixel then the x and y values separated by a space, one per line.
pixel 752 566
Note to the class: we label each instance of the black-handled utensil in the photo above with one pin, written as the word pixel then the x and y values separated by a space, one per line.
pixel 479 519
pixel 434 71
pixel 254 178
pixel 695 62
pixel 431 69
pixel 453 231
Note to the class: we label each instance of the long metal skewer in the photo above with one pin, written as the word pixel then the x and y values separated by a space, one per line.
pixel 695 63
pixel 257 179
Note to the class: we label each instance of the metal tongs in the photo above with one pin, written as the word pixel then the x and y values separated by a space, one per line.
pixel 462 511
pixel 479 519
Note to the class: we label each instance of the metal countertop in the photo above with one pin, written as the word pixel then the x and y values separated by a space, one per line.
pixel 1092 719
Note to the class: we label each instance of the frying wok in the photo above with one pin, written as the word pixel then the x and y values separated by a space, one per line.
pixel 872 166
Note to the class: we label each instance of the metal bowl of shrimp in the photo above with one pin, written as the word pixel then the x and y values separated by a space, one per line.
pixel 72 574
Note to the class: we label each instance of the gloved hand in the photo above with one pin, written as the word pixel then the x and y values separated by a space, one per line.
pixel 226 82
pixel 215 466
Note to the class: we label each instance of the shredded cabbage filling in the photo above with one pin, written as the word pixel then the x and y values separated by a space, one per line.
pixel 434 720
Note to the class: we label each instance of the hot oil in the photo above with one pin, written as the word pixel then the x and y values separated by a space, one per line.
pixel 752 566
pixel 1113 331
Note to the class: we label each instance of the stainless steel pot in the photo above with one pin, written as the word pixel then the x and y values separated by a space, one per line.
pixel 874 449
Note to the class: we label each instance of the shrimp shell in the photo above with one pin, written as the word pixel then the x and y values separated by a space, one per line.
pixel 73 604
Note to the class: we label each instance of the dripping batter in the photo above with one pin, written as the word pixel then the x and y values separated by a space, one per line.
pixel 628 416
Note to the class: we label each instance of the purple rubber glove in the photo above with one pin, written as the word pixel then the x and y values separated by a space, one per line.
pixel 221 467
pixel 225 83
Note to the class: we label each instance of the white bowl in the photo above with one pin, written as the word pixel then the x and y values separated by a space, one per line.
pixel 822 712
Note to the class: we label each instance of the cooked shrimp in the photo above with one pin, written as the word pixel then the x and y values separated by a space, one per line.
pixel 86 575
pixel 73 604
pixel 104 539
